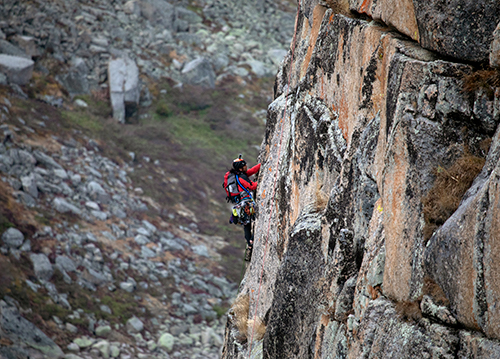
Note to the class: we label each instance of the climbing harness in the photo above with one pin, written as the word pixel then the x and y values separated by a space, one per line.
pixel 243 212
pixel 274 183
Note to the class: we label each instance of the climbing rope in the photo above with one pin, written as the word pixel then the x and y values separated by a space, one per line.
pixel 275 177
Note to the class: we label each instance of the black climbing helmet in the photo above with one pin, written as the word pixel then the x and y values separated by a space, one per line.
pixel 238 163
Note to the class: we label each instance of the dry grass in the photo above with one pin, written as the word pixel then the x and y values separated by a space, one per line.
pixel 337 6
pixel 373 291
pixel 409 310
pixel 449 188
pixel 257 327
pixel 246 328
pixel 435 291
pixel 320 199
pixel 487 80
pixel 241 308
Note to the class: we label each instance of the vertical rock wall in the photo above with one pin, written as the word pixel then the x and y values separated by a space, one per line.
pixel 365 116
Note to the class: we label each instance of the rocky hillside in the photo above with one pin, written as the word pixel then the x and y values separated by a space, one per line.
pixel 379 200
pixel 118 120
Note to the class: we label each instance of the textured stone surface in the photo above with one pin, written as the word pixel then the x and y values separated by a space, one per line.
pixel 124 87
pixel 462 257
pixel 18 70
pixel 495 48
pixel 361 120
pixel 462 29
pixel 42 266
pixel 17 328
pixel 289 334
pixel 12 237
pixel 400 14
pixel 199 72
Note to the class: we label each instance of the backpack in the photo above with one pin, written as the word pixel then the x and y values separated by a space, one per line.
pixel 231 187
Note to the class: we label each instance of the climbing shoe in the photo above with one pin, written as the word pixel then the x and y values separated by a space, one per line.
pixel 248 253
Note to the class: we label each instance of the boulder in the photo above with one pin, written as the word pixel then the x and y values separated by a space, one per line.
pixel 42 266
pixel 75 80
pixel 19 330
pixel 276 56
pixel 134 325
pixel 95 277
pixel 158 12
pixel 104 348
pixel 123 75
pixel 26 44
pixel 132 7
pixel 147 252
pixel 8 48
pixel 12 238
pixel 18 70
pixel 127 286
pixel 84 342
pixel 187 15
pixel 97 192
pixel 63 206
pixel 46 160
pixel 199 72
pixel 166 341
pixel 201 250
pixel 65 263
pixel 259 68
pixel 30 185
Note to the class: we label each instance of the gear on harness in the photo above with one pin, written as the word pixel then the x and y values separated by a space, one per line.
pixel 243 213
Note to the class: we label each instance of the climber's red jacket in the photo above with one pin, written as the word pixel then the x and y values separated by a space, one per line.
pixel 245 180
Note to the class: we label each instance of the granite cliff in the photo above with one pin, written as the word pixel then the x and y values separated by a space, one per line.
pixel 379 195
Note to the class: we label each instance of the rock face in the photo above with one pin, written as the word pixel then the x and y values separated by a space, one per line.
pixel 363 123
pixel 461 29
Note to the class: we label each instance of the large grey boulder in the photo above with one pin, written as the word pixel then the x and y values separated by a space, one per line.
pixel 199 72
pixel 18 70
pixel 123 75
pixel 134 325
pixel 12 237
pixel 75 80
pixel 166 341
pixel 188 16
pixel 158 12
pixel 132 7
pixel 27 44
pixel 64 206
pixel 19 330
pixel 65 263
pixel 46 160
pixel 42 266
pixel 97 192
pixel 30 185
pixel 8 48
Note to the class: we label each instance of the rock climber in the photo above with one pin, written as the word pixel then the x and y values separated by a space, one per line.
pixel 245 187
